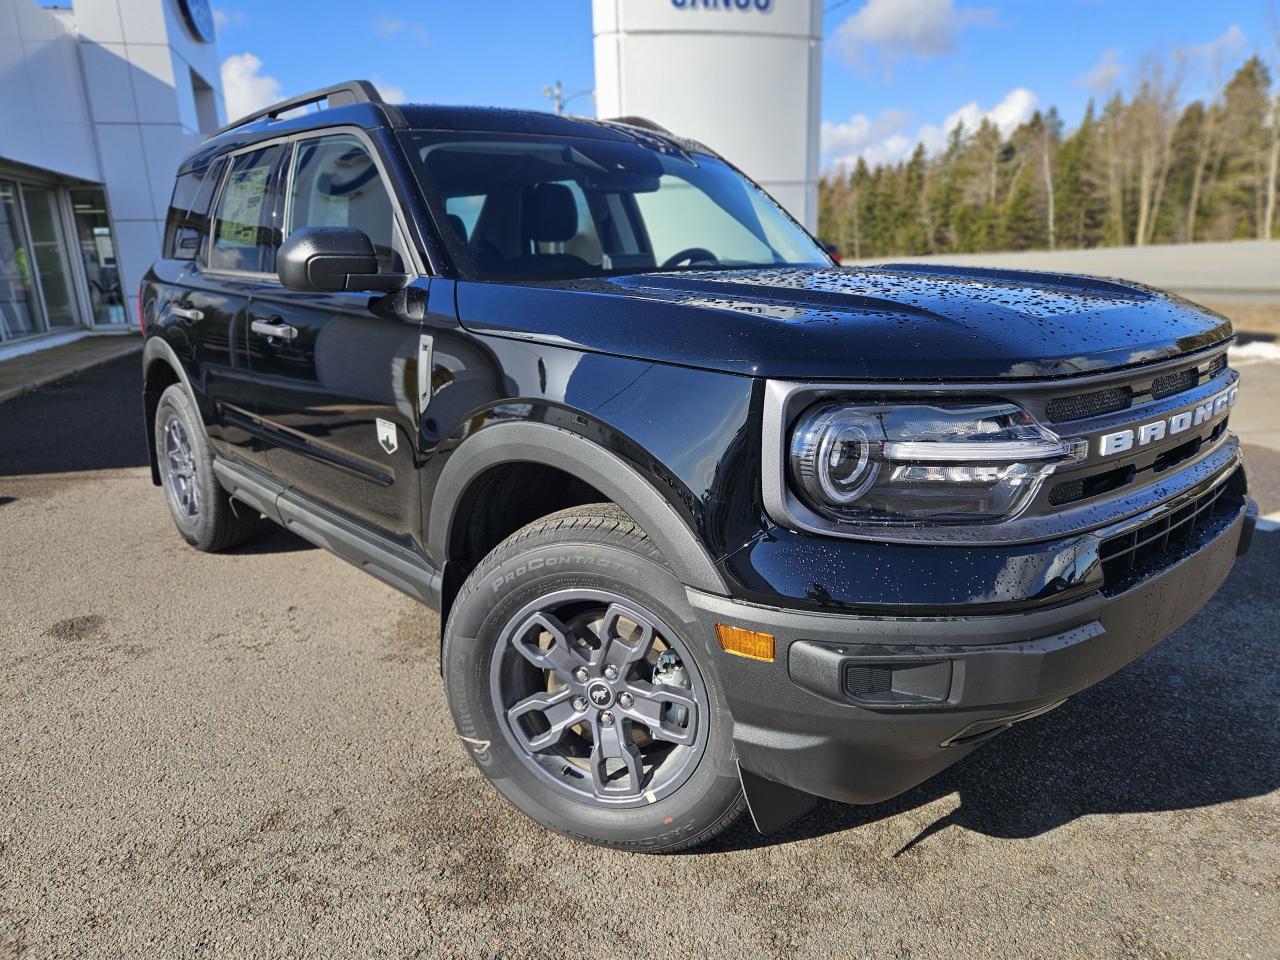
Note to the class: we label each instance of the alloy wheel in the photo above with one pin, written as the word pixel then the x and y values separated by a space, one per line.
pixel 180 473
pixel 600 696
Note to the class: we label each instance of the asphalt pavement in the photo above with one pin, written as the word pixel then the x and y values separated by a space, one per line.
pixel 250 755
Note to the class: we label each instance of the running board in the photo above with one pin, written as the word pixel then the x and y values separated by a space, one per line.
pixel 406 570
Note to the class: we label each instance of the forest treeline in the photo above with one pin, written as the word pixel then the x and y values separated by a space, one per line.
pixel 1139 169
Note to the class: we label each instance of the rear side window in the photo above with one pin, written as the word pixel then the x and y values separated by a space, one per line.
pixel 335 183
pixel 242 228
pixel 188 221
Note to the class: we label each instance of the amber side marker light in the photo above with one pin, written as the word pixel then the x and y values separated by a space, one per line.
pixel 745 643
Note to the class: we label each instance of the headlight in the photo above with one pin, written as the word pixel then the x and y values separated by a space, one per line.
pixel 915 463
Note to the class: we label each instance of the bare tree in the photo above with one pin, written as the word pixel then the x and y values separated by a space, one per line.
pixel 1115 158
pixel 1154 109
pixel 1269 213
pixel 1206 144
pixel 1046 168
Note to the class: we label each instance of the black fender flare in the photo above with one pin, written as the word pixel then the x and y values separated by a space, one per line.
pixel 157 350
pixel 533 442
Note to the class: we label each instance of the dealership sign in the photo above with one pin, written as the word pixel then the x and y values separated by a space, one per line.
pixel 761 5
pixel 199 17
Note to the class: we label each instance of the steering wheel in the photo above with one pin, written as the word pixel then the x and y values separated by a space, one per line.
pixel 691 254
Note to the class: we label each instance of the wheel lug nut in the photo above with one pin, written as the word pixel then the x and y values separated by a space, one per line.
pixel 624 700
pixel 580 674
pixel 611 672
pixel 606 719
pixel 579 704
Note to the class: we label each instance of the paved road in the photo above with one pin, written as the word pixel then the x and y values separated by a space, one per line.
pixel 1238 270
pixel 250 755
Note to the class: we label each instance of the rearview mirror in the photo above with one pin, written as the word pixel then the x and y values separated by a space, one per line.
pixel 330 260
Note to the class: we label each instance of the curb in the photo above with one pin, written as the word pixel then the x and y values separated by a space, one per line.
pixel 1244 337
pixel 88 363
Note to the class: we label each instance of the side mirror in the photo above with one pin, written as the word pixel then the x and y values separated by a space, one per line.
pixel 330 260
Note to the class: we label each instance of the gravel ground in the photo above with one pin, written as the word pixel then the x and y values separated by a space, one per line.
pixel 250 755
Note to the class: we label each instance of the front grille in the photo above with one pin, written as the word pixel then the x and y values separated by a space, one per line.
pixel 860 681
pixel 1131 557
pixel 1171 383
pixel 1069 491
pixel 1134 401
pixel 1083 405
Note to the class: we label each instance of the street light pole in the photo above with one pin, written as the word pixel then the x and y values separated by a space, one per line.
pixel 555 93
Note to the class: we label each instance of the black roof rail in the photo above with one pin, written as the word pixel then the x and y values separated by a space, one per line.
pixel 338 95
pixel 643 123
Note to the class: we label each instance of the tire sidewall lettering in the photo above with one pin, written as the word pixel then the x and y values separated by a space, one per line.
pixel 585 562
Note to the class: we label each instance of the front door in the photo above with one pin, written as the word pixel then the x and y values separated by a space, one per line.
pixel 336 374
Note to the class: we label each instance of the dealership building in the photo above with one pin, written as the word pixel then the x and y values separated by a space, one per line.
pixel 742 76
pixel 99 101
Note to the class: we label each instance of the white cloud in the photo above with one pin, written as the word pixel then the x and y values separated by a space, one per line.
pixel 386 26
pixel 888 139
pixel 888 31
pixel 1016 108
pixel 882 140
pixel 1104 74
pixel 389 91
pixel 244 89
pixel 226 18
pixel 1220 50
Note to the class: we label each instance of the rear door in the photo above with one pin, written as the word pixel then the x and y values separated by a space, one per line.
pixel 336 374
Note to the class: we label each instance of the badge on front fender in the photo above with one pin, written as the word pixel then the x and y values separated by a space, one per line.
pixel 387 435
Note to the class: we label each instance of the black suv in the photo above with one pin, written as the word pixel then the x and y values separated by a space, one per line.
pixel 712 524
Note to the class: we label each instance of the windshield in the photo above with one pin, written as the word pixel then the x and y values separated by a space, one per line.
pixel 517 207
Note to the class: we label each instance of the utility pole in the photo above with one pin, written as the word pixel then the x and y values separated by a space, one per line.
pixel 555 93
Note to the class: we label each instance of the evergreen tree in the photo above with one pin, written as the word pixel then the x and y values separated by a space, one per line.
pixel 1139 171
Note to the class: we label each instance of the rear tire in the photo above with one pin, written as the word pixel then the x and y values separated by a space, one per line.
pixel 580 684
pixel 201 509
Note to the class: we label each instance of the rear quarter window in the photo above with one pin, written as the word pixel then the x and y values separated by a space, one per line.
pixel 187 223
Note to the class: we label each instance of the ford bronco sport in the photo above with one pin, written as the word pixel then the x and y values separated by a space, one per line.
pixel 712 525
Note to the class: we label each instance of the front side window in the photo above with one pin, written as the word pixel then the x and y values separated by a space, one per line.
pixel 542 208
pixel 335 183
pixel 242 232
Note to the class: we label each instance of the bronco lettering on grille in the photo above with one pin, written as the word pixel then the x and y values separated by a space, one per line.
pixel 1122 440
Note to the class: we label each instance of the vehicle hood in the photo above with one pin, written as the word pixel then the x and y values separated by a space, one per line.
pixel 900 321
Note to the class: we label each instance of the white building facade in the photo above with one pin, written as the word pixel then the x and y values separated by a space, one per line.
pixel 99 102
pixel 741 76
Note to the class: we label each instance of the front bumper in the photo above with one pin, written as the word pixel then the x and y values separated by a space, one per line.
pixel 859 709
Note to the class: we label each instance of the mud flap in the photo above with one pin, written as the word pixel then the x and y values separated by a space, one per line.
pixel 773 805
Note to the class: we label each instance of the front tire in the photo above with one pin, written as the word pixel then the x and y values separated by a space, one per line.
pixel 201 509
pixel 581 686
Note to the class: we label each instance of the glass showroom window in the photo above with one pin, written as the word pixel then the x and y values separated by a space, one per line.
pixel 98 253
pixel 38 281
pixel 19 302
pixel 53 268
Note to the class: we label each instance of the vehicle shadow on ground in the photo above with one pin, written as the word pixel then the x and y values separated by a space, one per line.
pixel 272 538
pixel 90 421
pixel 1194 723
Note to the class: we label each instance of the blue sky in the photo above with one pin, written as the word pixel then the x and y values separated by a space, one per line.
pixel 894 71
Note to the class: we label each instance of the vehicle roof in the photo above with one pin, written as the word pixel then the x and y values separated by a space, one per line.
pixel 415 116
